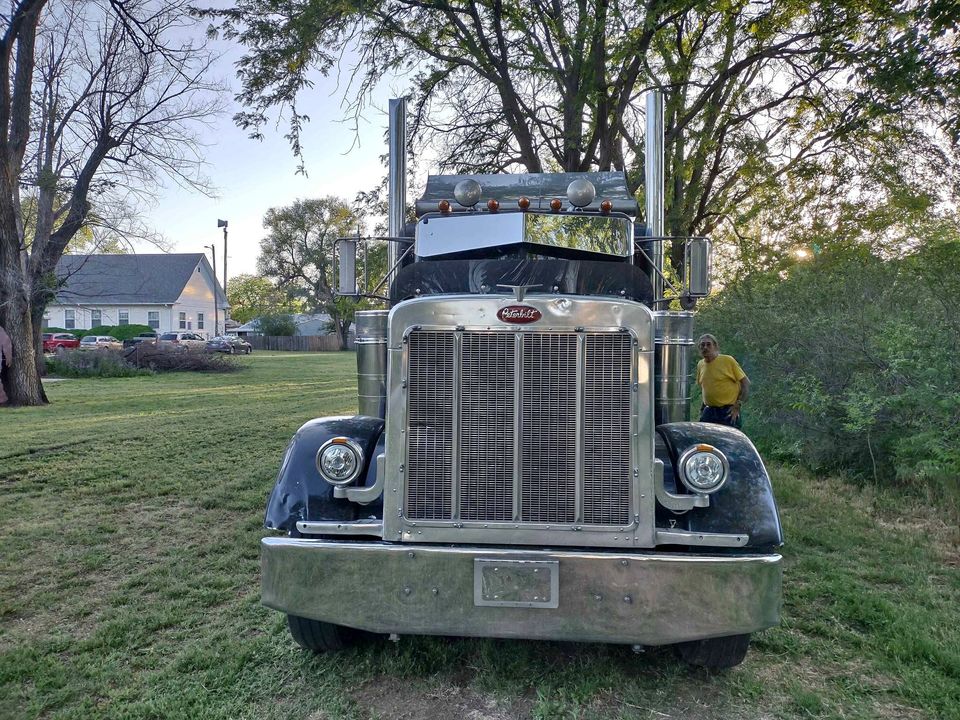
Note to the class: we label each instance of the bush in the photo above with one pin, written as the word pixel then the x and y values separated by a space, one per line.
pixel 92 363
pixel 165 359
pixel 280 325
pixel 853 361
pixel 120 332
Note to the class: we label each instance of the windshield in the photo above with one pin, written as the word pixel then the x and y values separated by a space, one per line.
pixel 89 339
pixel 587 232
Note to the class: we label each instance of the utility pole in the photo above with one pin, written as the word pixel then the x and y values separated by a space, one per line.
pixel 223 224
pixel 216 315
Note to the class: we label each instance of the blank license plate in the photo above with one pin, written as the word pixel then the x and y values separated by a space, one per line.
pixel 516 583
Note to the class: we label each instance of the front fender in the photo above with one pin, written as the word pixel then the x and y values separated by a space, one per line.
pixel 301 494
pixel 745 503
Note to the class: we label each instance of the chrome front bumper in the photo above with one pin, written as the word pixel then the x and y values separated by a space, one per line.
pixel 615 597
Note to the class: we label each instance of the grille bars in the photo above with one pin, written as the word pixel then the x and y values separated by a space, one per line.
pixel 501 427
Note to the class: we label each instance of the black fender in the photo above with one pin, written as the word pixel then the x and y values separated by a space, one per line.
pixel 301 494
pixel 745 503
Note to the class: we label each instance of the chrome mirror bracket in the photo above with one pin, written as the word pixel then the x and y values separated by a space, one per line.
pixel 673 501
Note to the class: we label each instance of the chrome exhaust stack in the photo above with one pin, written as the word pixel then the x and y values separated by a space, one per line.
pixel 371 325
pixel 673 334
pixel 653 186
pixel 396 182
pixel 371 344
pixel 673 341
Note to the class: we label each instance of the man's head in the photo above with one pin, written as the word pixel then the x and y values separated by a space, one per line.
pixel 708 346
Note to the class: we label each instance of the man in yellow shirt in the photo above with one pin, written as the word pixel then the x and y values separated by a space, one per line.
pixel 724 383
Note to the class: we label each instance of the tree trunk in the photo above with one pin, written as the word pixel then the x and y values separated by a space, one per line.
pixel 343 333
pixel 24 380
pixel 36 318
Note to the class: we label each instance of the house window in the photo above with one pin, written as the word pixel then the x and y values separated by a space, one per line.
pixel 153 319
pixel 96 318
pixel 183 321
pixel 199 321
pixel 124 317
pixel 69 319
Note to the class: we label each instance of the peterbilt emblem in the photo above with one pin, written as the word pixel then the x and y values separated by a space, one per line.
pixel 520 314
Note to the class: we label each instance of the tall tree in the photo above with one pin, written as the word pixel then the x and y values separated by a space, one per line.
pixel 758 93
pixel 298 252
pixel 251 296
pixel 99 98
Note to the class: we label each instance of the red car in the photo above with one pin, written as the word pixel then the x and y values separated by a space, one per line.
pixel 53 341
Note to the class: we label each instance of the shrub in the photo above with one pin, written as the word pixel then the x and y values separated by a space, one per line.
pixel 277 325
pixel 853 361
pixel 165 359
pixel 92 363
pixel 120 332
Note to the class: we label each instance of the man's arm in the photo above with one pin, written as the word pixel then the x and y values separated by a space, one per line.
pixel 744 390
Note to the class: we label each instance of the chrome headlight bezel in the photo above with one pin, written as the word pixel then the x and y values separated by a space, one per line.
pixel 702 449
pixel 346 443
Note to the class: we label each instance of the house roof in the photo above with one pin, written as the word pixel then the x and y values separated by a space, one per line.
pixel 140 279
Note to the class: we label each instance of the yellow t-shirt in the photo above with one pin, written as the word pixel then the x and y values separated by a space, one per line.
pixel 720 380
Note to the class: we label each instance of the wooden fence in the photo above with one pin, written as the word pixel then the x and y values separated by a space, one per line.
pixel 299 343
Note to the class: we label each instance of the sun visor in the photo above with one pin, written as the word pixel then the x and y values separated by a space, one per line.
pixel 539 188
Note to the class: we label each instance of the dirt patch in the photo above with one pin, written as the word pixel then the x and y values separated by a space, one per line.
pixel 394 699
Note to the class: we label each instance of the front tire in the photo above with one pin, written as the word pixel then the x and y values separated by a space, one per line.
pixel 320 636
pixel 716 653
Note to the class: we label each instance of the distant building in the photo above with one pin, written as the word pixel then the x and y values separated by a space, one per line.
pixel 307 324
pixel 167 292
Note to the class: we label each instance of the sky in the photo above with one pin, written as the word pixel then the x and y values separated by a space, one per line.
pixel 252 176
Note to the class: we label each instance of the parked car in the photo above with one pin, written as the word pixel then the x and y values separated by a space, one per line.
pixel 54 341
pixel 181 339
pixel 229 344
pixel 96 342
pixel 148 337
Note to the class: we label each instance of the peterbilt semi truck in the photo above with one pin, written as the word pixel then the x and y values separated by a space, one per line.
pixel 522 464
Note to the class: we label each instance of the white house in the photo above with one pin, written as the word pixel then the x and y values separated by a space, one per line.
pixel 167 292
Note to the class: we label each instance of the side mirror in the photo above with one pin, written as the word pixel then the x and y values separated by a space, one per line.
pixel 347 253
pixel 696 269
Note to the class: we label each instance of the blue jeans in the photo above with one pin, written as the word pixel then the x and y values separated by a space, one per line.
pixel 720 415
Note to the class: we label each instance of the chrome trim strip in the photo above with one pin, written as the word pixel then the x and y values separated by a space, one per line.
pixel 351 527
pixel 455 428
pixel 517 424
pixel 683 537
pixel 581 364
pixel 616 597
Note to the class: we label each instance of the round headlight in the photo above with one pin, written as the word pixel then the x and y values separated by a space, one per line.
pixel 703 468
pixel 339 461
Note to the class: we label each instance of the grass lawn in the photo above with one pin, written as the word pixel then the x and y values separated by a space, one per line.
pixel 130 516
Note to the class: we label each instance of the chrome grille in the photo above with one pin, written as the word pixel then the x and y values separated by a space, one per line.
pixel 548 428
pixel 430 426
pixel 606 449
pixel 492 427
pixel 486 426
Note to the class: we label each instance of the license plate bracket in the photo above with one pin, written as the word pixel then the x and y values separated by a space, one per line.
pixel 516 583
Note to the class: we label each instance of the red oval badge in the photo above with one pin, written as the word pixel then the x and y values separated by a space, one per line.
pixel 519 314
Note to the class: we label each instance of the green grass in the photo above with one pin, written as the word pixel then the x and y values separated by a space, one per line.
pixel 130 516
